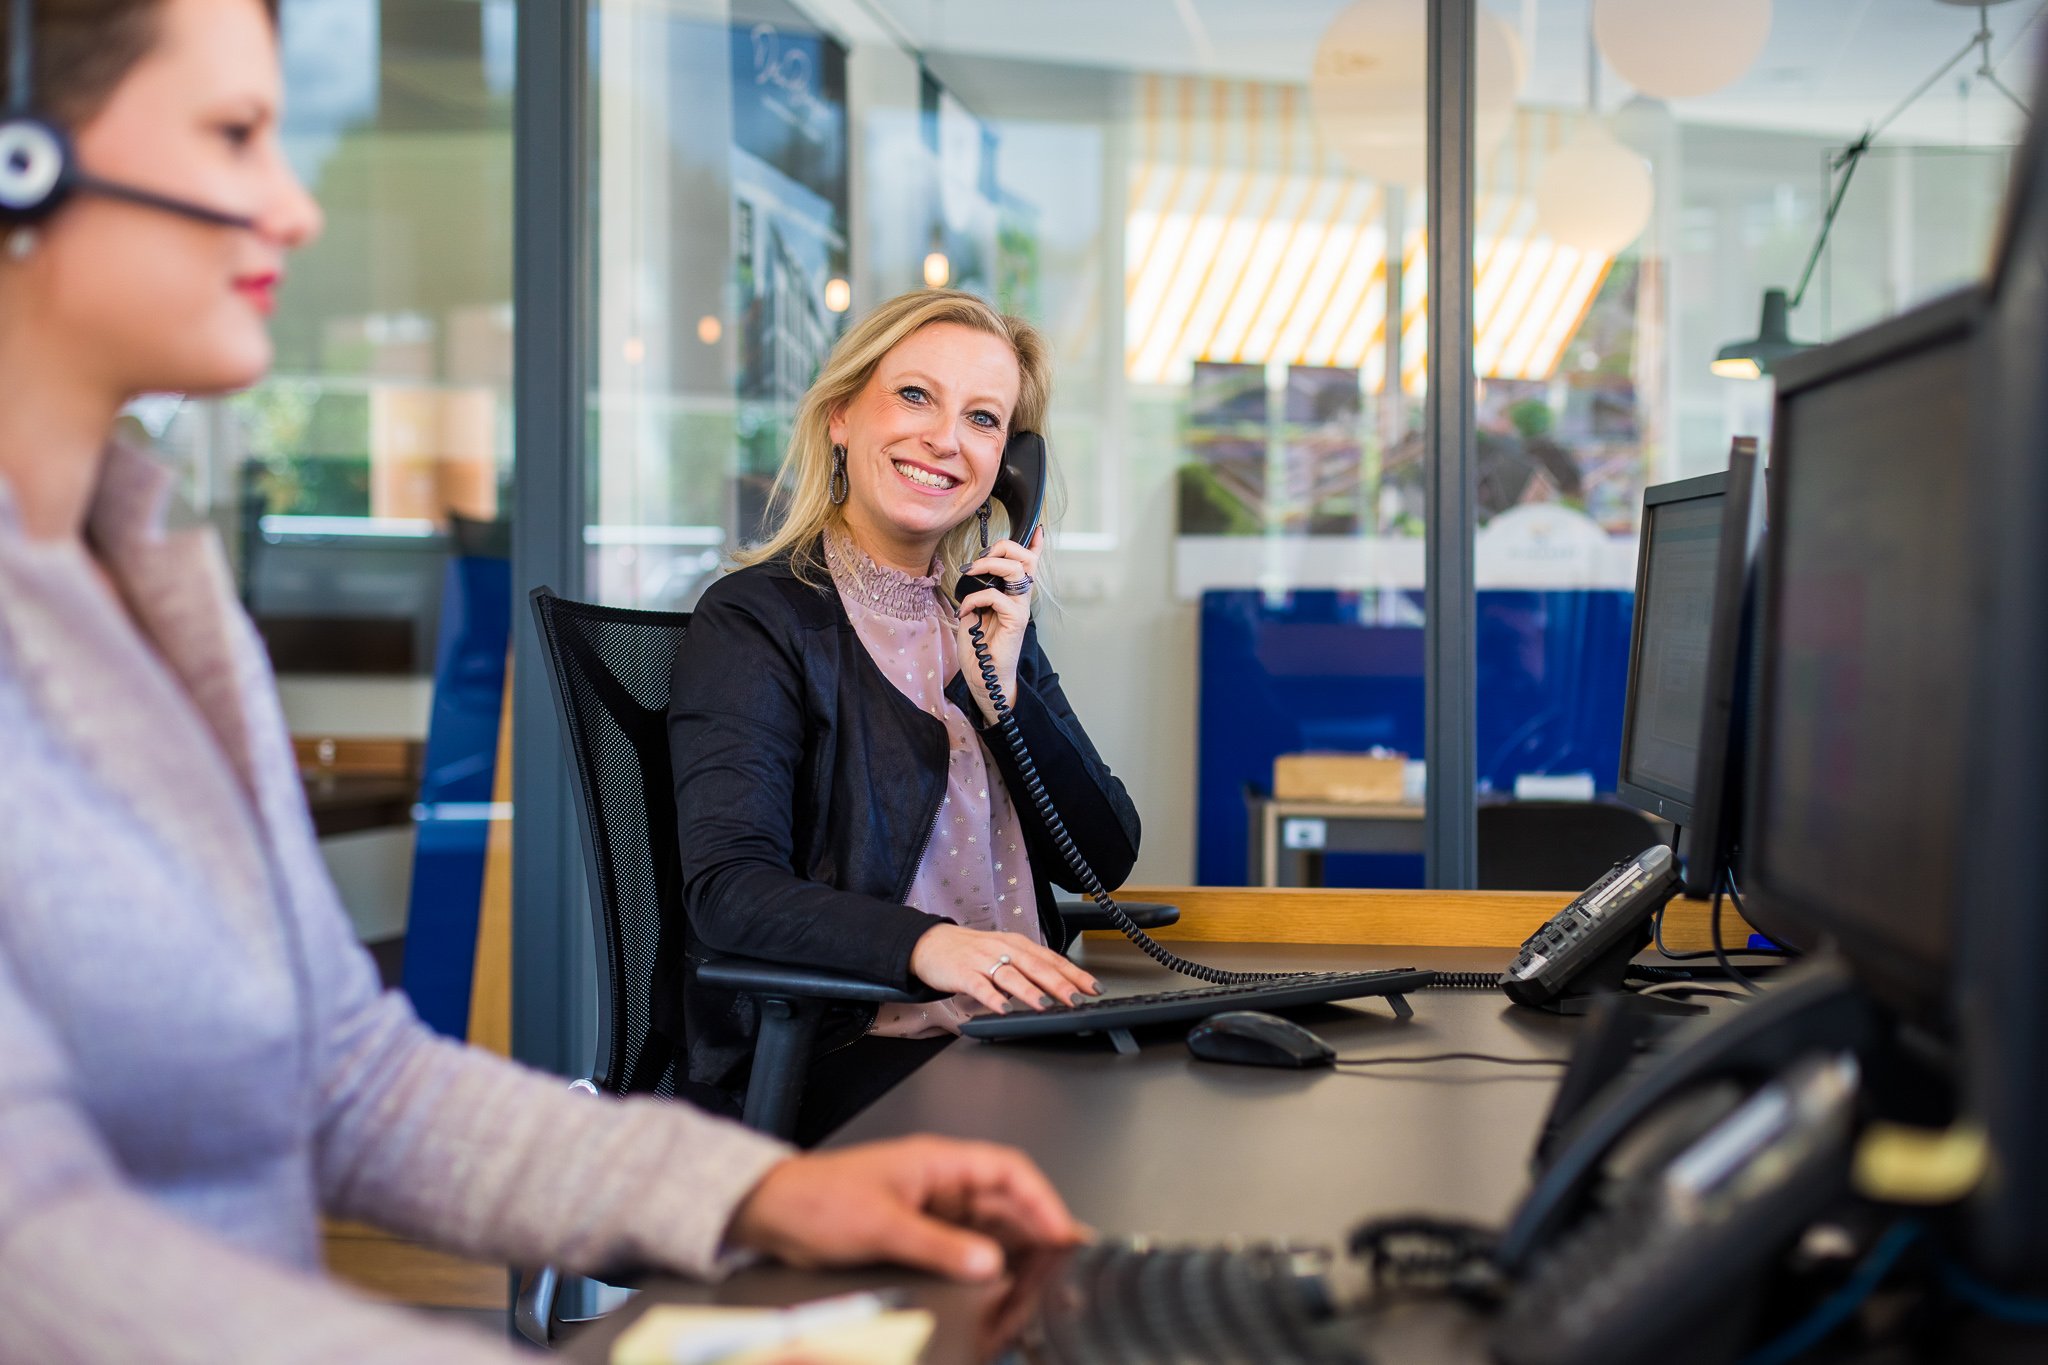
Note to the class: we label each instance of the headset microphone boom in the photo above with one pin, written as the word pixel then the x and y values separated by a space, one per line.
pixel 39 168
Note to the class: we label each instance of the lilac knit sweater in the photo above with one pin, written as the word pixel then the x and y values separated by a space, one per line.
pixel 195 1058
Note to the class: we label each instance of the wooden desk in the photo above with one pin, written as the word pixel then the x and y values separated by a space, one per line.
pixel 355 784
pixel 350 803
pixel 1159 1143
pixel 1289 838
pixel 1436 919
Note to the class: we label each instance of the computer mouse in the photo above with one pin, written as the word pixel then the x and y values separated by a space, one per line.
pixel 1250 1038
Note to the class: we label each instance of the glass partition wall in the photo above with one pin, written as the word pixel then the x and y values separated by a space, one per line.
pixel 380 447
pixel 1234 308
pixel 1216 210
pixel 1659 174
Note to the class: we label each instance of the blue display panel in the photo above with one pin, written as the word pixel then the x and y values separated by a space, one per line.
pixel 452 822
pixel 1325 670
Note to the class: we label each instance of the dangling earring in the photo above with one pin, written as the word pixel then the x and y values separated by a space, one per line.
pixel 21 243
pixel 981 514
pixel 838 487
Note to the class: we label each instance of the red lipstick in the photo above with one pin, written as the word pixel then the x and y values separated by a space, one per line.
pixel 260 290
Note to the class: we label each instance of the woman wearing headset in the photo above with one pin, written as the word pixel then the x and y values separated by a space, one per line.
pixel 838 803
pixel 195 1061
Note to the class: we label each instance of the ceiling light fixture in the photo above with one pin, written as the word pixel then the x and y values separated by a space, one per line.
pixel 1368 87
pixel 1757 356
pixel 1673 52
pixel 1593 194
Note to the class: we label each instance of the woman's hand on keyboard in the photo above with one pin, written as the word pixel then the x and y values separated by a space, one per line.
pixel 952 957
pixel 932 1203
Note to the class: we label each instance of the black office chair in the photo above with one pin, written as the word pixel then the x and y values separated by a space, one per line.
pixel 1558 845
pixel 473 536
pixel 610 667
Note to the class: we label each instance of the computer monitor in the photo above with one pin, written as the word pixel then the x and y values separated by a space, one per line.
pixel 1726 688
pixel 1857 789
pixel 2001 969
pixel 1667 657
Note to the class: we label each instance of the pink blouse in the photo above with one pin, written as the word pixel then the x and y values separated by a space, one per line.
pixel 975 870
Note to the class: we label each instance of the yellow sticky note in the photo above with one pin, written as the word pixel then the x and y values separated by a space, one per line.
pixel 896 1338
pixel 1902 1165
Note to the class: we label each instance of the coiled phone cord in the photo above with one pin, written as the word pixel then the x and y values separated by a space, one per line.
pixel 1057 828
pixel 1467 981
pixel 1092 884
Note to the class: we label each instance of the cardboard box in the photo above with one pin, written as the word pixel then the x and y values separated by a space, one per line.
pixel 1361 779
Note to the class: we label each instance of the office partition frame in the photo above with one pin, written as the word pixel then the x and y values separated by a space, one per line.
pixel 1449 671
pixel 554 986
pixel 553 971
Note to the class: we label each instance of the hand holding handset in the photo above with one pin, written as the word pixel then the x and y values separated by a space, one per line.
pixel 1020 488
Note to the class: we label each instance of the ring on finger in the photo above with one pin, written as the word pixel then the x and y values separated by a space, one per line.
pixel 996 966
pixel 1018 586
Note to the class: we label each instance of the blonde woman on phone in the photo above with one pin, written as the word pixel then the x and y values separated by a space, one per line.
pixel 839 800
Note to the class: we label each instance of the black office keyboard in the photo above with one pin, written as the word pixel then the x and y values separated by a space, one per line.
pixel 1126 1303
pixel 1168 1007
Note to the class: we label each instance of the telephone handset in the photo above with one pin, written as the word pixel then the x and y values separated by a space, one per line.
pixel 1668 1268
pixel 1020 488
pixel 1752 1117
pixel 1817 1008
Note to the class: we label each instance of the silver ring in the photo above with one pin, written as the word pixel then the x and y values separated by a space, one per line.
pixel 1018 586
pixel 998 965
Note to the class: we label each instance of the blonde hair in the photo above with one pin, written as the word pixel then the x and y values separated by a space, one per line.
pixel 802 505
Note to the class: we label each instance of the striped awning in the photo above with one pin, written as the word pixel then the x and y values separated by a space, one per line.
pixel 1245 242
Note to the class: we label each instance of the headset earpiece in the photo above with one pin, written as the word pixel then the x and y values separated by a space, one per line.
pixel 35 155
pixel 35 168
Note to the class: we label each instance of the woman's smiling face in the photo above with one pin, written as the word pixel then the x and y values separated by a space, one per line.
pixel 925 438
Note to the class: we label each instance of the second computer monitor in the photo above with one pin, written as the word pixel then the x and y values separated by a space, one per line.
pixel 1716 827
pixel 1667 661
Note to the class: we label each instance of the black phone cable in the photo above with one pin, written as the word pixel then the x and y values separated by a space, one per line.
pixel 1413 1058
pixel 1650 974
pixel 1702 954
pixel 1006 722
pixel 1735 973
pixel 1466 981
pixel 1641 974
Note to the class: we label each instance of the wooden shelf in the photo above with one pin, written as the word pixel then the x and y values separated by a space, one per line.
pixel 1445 919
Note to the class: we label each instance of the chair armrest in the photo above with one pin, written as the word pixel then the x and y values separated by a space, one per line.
pixel 756 977
pixel 1083 915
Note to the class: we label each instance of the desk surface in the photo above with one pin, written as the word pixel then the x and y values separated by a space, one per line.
pixel 1161 1143
pixel 1158 1143
pixel 1284 806
pixel 1274 859
pixel 349 803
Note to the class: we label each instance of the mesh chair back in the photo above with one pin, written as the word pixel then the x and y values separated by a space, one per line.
pixel 610 667
pixel 1557 845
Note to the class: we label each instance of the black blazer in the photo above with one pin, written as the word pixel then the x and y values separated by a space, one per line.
pixel 807 787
